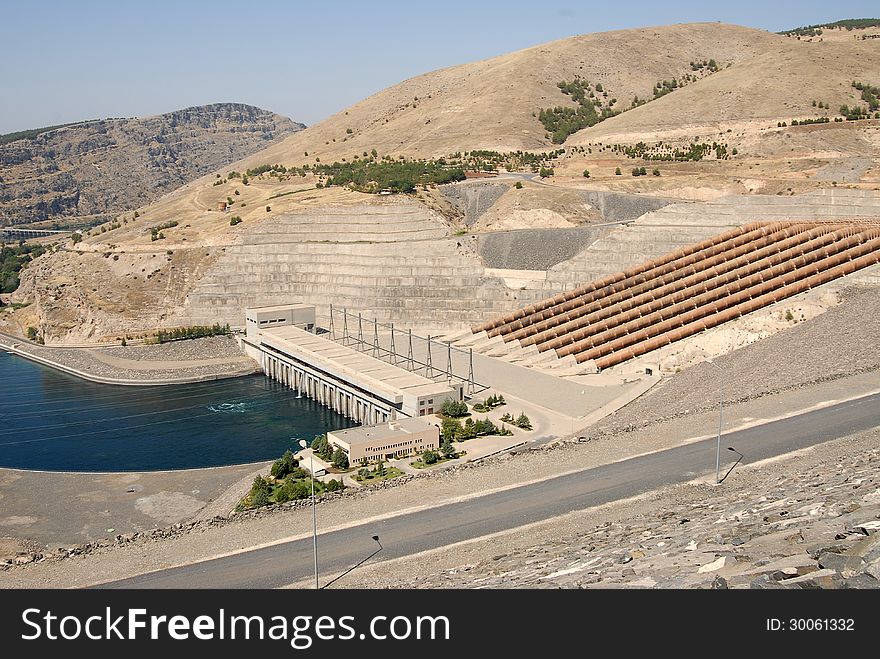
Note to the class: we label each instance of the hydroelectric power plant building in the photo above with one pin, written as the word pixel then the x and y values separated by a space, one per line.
pixel 354 384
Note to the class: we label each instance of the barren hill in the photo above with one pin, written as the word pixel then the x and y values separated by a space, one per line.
pixel 490 104
pixel 90 171
pixel 780 82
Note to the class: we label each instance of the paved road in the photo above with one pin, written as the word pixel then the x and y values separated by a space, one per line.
pixel 411 533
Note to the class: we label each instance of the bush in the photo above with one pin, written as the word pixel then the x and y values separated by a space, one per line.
pixel 545 172
pixel 617 172
pixel 293 490
pixel 518 185
pixel 195 332
pixel 32 334
pixel 333 485
pixel 234 220
pixel 430 457
pixel 586 173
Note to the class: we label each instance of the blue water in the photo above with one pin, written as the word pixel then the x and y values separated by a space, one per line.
pixel 53 421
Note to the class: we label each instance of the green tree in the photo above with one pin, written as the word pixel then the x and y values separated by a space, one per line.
pixel 617 172
pixel 75 237
pixel 518 185
pixel 454 408
pixel 522 421
pixel 448 450
pixel 284 465
pixel 321 447
pixel 340 459
pixel 586 173
pixel 430 457
pixel 32 334
pixel 450 429
pixel 380 468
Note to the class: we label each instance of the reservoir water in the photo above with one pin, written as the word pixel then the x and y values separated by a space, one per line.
pixel 53 421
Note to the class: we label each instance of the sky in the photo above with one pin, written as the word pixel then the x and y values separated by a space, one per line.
pixel 71 60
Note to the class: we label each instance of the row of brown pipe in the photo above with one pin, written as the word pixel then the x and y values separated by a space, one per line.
pixel 735 312
pixel 731 276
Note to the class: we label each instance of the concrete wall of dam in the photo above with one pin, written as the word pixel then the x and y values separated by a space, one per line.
pixel 401 264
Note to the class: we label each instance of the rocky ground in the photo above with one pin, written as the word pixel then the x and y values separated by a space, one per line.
pixel 809 522
pixel 210 357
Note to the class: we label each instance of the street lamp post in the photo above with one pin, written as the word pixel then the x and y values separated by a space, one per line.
pixel 720 420
pixel 304 444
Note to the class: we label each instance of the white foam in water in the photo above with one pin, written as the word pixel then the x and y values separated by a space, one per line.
pixel 229 408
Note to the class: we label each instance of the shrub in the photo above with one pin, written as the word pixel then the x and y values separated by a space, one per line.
pixel 545 172
pixel 32 334
pixel 234 220
pixel 617 172
pixel 522 421
pixel 518 185
pixel 75 237
pixel 268 209
pixel 430 457
pixel 656 172
pixel 348 131
pixel 586 173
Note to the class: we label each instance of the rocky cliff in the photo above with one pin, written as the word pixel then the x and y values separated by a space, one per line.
pixel 88 172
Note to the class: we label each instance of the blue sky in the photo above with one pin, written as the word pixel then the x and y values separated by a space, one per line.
pixel 84 59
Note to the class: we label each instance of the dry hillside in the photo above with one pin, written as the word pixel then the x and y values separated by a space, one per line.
pixel 89 172
pixel 489 104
